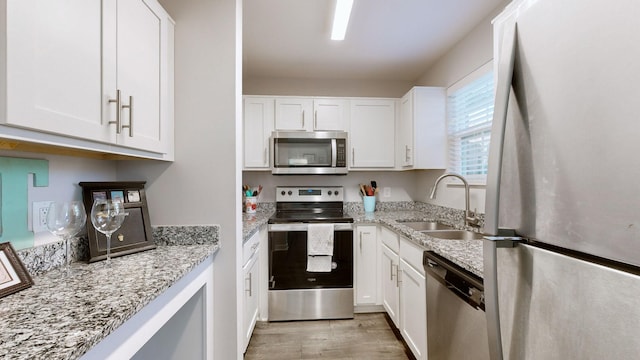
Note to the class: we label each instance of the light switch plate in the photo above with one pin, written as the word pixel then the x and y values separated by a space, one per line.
pixel 386 192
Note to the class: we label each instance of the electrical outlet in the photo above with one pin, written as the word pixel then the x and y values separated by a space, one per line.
pixel 386 192
pixel 39 215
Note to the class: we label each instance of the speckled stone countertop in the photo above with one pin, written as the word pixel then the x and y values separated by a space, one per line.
pixel 465 253
pixel 63 317
pixel 251 223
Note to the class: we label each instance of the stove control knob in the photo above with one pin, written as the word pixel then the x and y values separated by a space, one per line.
pixel 329 193
pixel 282 193
pixel 335 193
pixel 290 193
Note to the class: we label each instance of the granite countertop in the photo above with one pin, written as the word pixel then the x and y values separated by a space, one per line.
pixel 465 253
pixel 62 317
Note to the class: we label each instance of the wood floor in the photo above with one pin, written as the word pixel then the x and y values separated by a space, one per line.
pixel 367 336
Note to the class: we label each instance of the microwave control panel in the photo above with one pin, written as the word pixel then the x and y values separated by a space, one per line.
pixel 341 153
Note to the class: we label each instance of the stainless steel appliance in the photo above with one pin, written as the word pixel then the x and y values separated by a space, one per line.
pixel 456 323
pixel 563 178
pixel 294 292
pixel 309 152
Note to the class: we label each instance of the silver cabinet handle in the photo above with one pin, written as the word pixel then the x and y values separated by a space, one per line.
pixel 315 120
pixel 360 242
pixel 117 122
pixel 353 156
pixel 130 107
pixel 264 157
pixel 406 153
pixel 391 268
pixel 398 281
pixel 303 119
pixel 248 289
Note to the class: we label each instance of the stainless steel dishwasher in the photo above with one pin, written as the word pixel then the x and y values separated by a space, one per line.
pixel 456 323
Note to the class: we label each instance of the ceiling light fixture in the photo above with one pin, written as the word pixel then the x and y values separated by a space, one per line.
pixel 341 19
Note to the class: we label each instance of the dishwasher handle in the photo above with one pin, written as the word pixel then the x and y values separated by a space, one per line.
pixel 463 285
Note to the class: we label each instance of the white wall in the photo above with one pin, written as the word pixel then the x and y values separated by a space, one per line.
pixel 65 172
pixel 200 186
pixel 475 50
pixel 325 87
pixel 403 184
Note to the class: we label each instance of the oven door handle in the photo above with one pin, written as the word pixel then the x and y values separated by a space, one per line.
pixel 305 226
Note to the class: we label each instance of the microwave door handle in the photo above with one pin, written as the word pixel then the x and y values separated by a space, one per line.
pixel 275 153
pixel 334 153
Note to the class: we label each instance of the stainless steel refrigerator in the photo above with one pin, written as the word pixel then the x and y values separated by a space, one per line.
pixel 564 175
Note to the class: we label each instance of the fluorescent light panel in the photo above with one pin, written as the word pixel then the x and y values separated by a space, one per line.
pixel 341 19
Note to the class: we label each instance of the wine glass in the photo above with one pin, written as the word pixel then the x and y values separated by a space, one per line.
pixel 66 219
pixel 107 216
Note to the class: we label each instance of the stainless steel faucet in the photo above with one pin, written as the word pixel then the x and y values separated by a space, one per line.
pixel 470 218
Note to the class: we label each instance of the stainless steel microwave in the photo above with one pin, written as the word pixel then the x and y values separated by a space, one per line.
pixel 305 152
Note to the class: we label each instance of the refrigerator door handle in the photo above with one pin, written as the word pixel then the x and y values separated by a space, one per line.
pixel 499 122
pixel 490 281
pixel 503 90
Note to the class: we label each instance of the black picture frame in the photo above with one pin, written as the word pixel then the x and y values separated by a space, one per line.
pixel 13 274
pixel 135 234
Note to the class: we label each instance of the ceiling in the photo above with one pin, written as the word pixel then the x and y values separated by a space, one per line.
pixel 386 39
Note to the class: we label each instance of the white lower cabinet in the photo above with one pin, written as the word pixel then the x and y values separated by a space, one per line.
pixel 366 265
pixel 403 284
pixel 390 284
pixel 250 299
pixel 251 286
pixel 413 309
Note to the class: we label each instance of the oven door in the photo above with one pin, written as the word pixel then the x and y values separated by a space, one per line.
pixel 288 259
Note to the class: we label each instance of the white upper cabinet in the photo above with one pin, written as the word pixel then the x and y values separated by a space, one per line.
pixel 372 133
pixel 54 66
pixel 133 64
pixel 330 114
pixel 294 114
pixel 68 59
pixel 311 114
pixel 257 128
pixel 422 137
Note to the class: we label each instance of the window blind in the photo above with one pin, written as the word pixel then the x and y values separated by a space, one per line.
pixel 469 115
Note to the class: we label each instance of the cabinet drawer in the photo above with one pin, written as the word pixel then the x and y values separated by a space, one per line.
pixel 390 239
pixel 250 247
pixel 412 254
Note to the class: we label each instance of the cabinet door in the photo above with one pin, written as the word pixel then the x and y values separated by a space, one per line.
pixel 366 256
pixel 405 131
pixel 390 284
pixel 138 75
pixel 330 114
pixel 413 309
pixel 54 64
pixel 429 128
pixel 372 133
pixel 294 114
pixel 250 299
pixel 258 125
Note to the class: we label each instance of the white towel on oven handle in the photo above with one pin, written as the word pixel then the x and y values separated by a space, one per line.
pixel 319 263
pixel 320 239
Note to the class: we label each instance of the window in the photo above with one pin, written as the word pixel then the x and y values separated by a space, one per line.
pixel 469 115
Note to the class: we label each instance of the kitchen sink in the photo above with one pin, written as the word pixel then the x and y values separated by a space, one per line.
pixel 453 234
pixel 425 225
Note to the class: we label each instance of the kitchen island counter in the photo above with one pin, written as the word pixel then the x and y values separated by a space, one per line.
pixel 62 317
